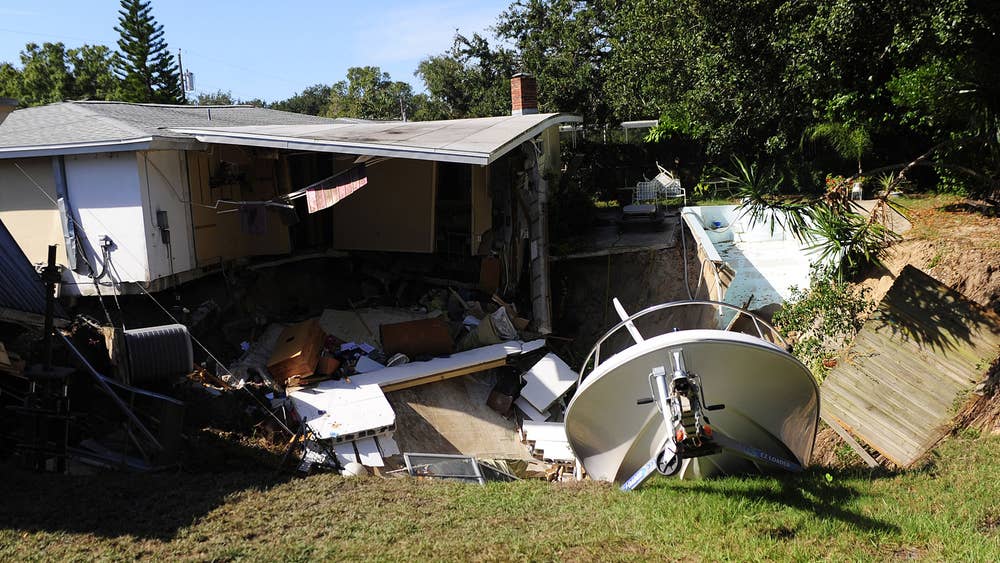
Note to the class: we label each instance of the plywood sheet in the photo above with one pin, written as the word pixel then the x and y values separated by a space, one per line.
pixel 451 417
pixel 912 362
pixel 394 212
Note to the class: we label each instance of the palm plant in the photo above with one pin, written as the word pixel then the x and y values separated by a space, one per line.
pixel 848 240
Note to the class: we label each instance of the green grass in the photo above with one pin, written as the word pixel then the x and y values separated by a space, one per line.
pixel 947 511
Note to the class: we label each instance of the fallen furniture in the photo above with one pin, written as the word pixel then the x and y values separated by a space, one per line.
pixel 648 197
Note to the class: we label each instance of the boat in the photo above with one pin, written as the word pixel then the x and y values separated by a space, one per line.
pixel 694 401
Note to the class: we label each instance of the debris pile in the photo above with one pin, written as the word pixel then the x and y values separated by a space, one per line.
pixel 328 379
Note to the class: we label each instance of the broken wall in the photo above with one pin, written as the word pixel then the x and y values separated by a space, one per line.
pixel 29 214
pixel 233 173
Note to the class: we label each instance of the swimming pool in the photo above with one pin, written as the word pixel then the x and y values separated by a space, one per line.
pixel 767 261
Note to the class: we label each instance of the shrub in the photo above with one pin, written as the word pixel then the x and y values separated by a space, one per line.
pixel 822 319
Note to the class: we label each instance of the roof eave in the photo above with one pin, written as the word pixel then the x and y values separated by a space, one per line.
pixel 122 145
pixel 480 158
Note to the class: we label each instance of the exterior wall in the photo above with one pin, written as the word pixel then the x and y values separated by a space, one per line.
pixel 104 190
pixel 163 178
pixel 30 215
pixel 394 212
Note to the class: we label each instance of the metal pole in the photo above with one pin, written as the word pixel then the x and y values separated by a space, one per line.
pixel 50 275
pixel 180 70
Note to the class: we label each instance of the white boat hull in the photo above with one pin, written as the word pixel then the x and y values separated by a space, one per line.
pixel 771 403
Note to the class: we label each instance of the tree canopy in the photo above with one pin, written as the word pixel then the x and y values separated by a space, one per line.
pixel 775 81
pixel 52 73
pixel 146 68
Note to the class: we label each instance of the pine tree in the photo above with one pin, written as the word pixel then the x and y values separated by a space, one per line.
pixel 146 67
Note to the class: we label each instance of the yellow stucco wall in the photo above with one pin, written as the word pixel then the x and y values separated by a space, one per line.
pixel 30 216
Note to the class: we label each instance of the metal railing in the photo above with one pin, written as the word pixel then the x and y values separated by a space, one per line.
pixel 759 324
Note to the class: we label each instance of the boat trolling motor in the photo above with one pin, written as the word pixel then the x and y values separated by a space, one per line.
pixel 681 402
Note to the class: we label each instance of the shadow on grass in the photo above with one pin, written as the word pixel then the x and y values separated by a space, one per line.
pixel 110 504
pixel 809 492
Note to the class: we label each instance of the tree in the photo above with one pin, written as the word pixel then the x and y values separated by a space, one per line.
pixel 565 44
pixel 146 67
pixel 93 72
pixel 369 93
pixel 217 98
pixel 51 73
pixel 471 80
pixel 45 76
pixel 311 101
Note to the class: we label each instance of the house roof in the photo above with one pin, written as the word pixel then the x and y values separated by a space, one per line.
pixel 79 127
pixel 87 127
pixel 471 141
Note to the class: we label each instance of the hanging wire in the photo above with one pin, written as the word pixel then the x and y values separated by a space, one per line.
pixel 212 356
pixel 110 263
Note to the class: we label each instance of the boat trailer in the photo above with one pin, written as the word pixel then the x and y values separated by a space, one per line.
pixel 681 402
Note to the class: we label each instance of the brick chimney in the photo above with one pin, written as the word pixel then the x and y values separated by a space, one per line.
pixel 523 94
pixel 7 105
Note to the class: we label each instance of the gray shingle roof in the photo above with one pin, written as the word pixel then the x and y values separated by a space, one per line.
pixel 96 122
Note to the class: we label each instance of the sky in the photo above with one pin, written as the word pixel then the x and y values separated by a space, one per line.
pixel 268 50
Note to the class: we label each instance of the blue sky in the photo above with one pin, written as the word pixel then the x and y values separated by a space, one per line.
pixel 262 49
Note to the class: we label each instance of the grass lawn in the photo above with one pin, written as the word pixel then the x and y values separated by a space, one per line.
pixel 950 510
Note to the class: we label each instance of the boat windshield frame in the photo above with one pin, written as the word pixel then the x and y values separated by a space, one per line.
pixel 759 323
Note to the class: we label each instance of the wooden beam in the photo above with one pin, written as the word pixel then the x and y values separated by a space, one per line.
pixel 445 375
pixel 846 436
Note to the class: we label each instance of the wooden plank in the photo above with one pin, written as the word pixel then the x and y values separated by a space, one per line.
pixel 892 420
pixel 879 431
pixel 445 375
pixel 833 423
pixel 923 349
pixel 891 405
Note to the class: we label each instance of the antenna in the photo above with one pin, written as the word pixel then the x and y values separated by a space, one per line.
pixel 187 78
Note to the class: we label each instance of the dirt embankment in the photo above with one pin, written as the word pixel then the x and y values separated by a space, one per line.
pixel 957 242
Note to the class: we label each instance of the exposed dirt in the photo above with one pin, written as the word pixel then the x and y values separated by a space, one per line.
pixel 957 242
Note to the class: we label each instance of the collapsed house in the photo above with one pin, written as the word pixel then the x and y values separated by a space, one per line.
pixel 169 193
pixel 139 198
